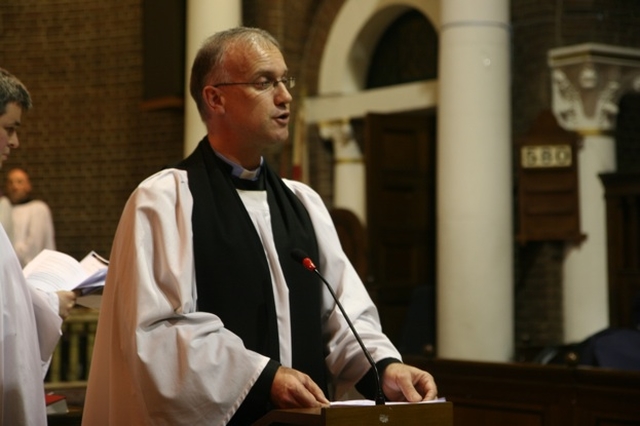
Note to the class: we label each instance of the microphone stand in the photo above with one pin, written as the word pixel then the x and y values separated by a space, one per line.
pixel 380 399
pixel 301 257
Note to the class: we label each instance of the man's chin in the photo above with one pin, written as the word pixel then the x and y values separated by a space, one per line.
pixel 279 139
pixel 274 147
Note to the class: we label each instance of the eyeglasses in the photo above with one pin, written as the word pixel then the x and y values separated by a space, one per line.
pixel 289 83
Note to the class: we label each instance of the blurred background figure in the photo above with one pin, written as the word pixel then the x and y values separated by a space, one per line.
pixel 33 229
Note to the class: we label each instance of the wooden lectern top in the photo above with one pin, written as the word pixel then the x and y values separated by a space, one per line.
pixel 429 414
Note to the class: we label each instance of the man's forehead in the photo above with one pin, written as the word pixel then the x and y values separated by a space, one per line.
pixel 17 175
pixel 256 59
pixel 12 114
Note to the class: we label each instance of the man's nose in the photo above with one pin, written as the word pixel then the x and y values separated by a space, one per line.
pixel 283 93
pixel 13 141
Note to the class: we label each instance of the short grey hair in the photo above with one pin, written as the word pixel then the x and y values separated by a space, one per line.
pixel 12 91
pixel 210 59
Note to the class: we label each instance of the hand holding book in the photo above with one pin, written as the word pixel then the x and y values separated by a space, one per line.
pixel 52 271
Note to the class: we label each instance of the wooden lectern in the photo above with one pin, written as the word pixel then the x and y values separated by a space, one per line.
pixel 431 414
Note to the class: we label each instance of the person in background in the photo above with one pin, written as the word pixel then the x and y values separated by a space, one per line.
pixel 206 319
pixel 33 229
pixel 30 319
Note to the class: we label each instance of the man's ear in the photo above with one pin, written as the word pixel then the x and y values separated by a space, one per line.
pixel 213 99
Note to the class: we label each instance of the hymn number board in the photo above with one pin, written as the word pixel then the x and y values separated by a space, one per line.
pixel 541 156
pixel 548 183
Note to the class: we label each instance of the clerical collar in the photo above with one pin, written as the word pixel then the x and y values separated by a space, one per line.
pixel 240 172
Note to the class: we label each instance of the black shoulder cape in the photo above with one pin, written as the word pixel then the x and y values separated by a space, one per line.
pixel 232 272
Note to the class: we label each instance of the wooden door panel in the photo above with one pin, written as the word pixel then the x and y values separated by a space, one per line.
pixel 400 168
pixel 394 145
pixel 415 219
pixel 405 258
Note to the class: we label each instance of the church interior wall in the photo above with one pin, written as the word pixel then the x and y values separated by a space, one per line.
pixel 87 142
pixel 536 28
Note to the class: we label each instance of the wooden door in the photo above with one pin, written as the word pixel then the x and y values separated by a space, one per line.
pixel 400 168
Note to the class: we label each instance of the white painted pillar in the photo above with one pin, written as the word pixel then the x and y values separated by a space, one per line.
pixel 587 83
pixel 475 233
pixel 585 294
pixel 204 17
pixel 349 170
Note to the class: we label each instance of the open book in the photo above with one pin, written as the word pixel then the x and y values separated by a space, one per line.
pixel 369 402
pixel 53 271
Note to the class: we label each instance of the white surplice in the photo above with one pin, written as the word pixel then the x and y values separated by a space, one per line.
pixel 33 230
pixel 157 360
pixel 30 328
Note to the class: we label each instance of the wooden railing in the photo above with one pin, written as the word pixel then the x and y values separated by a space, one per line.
pixel 72 358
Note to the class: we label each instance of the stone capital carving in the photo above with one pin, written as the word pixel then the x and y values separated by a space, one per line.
pixel 340 132
pixel 587 83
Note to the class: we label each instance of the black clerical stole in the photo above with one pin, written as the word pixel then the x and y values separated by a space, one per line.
pixel 232 272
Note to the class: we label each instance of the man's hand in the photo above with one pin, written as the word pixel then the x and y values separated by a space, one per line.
pixel 67 300
pixel 401 382
pixel 294 389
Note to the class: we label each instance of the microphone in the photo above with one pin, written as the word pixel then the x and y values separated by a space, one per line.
pixel 301 257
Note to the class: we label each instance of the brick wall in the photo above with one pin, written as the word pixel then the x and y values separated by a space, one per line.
pixel 86 143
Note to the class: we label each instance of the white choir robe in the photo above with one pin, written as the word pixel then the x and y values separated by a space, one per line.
pixel 30 327
pixel 33 230
pixel 157 360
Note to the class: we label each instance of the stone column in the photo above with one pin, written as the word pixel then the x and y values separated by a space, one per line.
pixel 587 83
pixel 475 232
pixel 349 171
pixel 204 17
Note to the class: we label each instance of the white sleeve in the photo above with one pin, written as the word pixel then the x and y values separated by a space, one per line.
pixel 345 360
pixel 5 217
pixel 175 365
pixel 46 308
pixel 20 353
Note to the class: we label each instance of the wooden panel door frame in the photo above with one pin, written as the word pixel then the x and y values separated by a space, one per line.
pixel 400 157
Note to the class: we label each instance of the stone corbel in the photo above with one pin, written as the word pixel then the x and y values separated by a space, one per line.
pixel 345 147
pixel 348 170
pixel 588 81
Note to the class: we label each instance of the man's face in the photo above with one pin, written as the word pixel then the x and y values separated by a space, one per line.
pixel 9 123
pixel 259 118
pixel 18 186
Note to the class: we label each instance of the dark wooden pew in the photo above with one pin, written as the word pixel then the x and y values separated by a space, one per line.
pixel 525 394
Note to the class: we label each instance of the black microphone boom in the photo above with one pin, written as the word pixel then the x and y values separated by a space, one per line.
pixel 302 258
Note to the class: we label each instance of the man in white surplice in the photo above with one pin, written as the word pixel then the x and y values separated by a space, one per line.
pixel 30 319
pixel 205 317
pixel 33 229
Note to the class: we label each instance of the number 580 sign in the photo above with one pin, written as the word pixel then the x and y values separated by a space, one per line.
pixel 538 156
